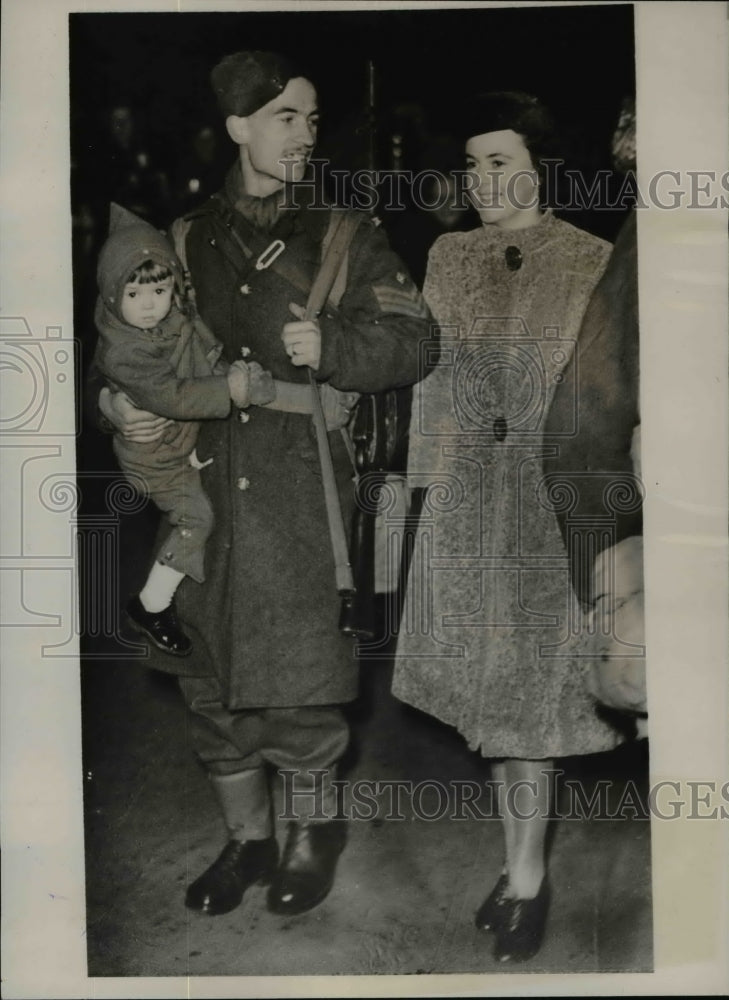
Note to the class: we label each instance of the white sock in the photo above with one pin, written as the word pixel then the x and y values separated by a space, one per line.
pixel 160 587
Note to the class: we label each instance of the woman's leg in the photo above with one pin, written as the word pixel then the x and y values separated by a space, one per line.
pixel 498 773
pixel 526 807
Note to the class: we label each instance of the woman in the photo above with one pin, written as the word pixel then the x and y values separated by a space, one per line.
pixel 484 643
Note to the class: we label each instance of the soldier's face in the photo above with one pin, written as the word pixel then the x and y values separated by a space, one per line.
pixel 280 137
pixel 504 186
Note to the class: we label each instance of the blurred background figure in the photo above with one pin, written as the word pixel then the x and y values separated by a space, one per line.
pixel 125 170
pixel 111 161
pixel 200 172
pixel 602 460
pixel 624 138
pixel 406 125
pixel 437 205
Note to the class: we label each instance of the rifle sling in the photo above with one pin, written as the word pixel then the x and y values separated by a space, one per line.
pixel 343 228
pixel 335 245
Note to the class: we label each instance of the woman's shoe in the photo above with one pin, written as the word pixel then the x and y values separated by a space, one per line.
pixel 521 929
pixel 492 911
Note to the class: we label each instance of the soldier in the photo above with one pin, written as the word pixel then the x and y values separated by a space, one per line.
pixel 270 669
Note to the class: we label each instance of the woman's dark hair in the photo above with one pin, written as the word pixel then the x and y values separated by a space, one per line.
pixel 512 109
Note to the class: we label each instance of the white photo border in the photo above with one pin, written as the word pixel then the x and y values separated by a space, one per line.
pixel 681 52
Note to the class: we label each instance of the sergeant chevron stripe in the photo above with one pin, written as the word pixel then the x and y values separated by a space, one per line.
pixel 406 302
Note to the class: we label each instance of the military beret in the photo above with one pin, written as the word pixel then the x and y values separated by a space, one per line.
pixel 244 81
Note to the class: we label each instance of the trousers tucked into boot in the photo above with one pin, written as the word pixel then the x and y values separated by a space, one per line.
pixel 303 744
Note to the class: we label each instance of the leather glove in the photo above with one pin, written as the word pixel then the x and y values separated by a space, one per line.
pixel 337 405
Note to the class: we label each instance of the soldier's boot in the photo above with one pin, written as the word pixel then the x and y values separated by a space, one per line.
pixel 311 853
pixel 308 866
pixel 251 854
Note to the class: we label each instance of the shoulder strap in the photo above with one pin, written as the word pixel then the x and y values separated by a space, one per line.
pixel 342 227
pixel 330 282
pixel 178 231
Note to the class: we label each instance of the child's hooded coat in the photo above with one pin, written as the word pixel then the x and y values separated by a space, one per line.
pixel 167 370
pixel 172 371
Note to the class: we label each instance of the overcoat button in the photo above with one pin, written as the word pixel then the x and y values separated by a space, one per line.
pixel 513 258
pixel 243 483
pixel 500 428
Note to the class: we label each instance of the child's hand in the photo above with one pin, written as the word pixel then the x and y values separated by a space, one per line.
pixel 250 385
pixel 262 389
pixel 239 383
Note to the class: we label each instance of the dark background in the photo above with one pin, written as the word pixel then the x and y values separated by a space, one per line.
pixel 579 60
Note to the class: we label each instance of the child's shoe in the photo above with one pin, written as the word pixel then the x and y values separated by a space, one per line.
pixel 161 627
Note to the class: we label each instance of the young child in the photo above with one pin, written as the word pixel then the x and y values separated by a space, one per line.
pixel 156 349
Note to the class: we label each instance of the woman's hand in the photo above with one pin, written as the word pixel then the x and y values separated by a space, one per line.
pixel 302 339
pixel 135 425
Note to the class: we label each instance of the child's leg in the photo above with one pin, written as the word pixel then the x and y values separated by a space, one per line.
pixel 180 495
pixel 158 591
pixel 191 515
pixel 181 554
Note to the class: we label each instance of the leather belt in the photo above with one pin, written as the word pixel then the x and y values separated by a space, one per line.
pixel 291 397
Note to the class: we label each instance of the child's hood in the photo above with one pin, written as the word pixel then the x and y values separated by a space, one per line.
pixel 131 241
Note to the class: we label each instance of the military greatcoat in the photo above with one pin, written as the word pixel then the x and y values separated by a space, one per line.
pixel 266 620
